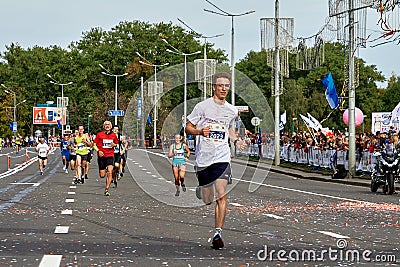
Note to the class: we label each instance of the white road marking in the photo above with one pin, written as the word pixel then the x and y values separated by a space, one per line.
pixel 61 230
pixel 50 261
pixel 332 234
pixel 236 204
pixel 33 184
pixel 66 212
pixel 71 193
pixel 70 200
pixel 72 186
pixel 274 216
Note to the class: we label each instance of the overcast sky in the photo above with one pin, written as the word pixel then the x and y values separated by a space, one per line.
pixel 51 22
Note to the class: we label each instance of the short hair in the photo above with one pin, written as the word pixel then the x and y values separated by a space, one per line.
pixel 107 122
pixel 218 75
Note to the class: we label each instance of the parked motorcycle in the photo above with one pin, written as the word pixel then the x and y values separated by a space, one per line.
pixel 386 171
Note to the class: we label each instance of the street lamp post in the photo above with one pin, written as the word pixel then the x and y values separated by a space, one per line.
pixel 178 52
pixel 226 14
pixel 55 82
pixel 155 95
pixel 106 72
pixel 205 51
pixel 9 91
pixel 88 123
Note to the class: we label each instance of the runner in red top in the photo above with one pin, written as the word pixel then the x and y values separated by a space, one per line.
pixel 104 144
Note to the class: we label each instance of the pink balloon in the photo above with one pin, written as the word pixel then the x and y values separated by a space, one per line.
pixel 359 116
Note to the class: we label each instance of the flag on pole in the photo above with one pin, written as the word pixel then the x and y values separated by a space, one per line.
pixel 395 113
pixel 330 92
pixel 282 121
pixel 308 122
pixel 316 123
pixel 59 124
pixel 149 119
pixel 283 117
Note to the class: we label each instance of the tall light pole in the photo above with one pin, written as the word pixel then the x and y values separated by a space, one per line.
pixel 9 91
pixel 106 72
pixel 88 123
pixel 147 63
pixel 55 82
pixel 205 51
pixel 185 55
pixel 226 14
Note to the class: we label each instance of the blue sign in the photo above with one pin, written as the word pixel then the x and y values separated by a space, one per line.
pixel 14 128
pixel 115 113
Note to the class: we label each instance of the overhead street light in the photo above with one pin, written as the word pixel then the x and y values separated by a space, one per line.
pixel 9 91
pixel 144 61
pixel 55 82
pixel 108 73
pixel 178 52
pixel 227 14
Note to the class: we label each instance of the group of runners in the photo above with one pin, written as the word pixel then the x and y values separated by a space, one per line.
pixel 211 121
pixel 77 152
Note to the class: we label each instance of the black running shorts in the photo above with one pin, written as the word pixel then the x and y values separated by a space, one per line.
pixel 103 162
pixel 207 175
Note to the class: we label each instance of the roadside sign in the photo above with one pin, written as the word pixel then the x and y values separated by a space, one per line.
pixel 115 113
pixel 14 128
pixel 243 108
pixel 255 121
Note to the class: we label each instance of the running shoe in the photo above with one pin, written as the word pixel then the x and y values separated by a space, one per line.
pixel 66 171
pixel 41 173
pixel 121 174
pixel 183 187
pixel 64 168
pixel 115 184
pixel 106 193
pixel 82 181
pixel 177 193
pixel 217 242
pixel 76 181
pixel 198 192
pixel 86 177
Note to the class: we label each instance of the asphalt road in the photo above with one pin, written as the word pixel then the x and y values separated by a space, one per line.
pixel 48 221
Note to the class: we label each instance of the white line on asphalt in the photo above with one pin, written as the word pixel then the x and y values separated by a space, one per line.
pixel 236 204
pixel 332 234
pixel 304 192
pixel 61 230
pixel 71 193
pixel 66 212
pixel 33 184
pixel 72 186
pixel 70 200
pixel 50 261
pixel 274 216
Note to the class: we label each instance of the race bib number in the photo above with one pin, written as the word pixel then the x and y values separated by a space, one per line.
pixel 217 132
pixel 42 153
pixel 107 143
pixel 80 145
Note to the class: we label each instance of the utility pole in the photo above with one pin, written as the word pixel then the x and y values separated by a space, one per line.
pixel 276 86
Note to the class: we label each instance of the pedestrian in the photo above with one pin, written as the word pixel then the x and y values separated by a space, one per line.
pixel 82 142
pixel 43 150
pixel 177 153
pixel 104 143
pixel 213 122
pixel 65 152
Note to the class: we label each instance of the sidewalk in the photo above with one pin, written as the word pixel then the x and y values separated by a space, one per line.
pixel 358 181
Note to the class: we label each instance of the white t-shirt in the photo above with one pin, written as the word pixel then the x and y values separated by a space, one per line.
pixel 42 149
pixel 220 117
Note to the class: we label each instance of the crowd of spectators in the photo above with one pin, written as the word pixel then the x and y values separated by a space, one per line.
pixel 330 141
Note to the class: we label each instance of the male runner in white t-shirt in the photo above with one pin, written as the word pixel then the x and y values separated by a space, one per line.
pixel 212 121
